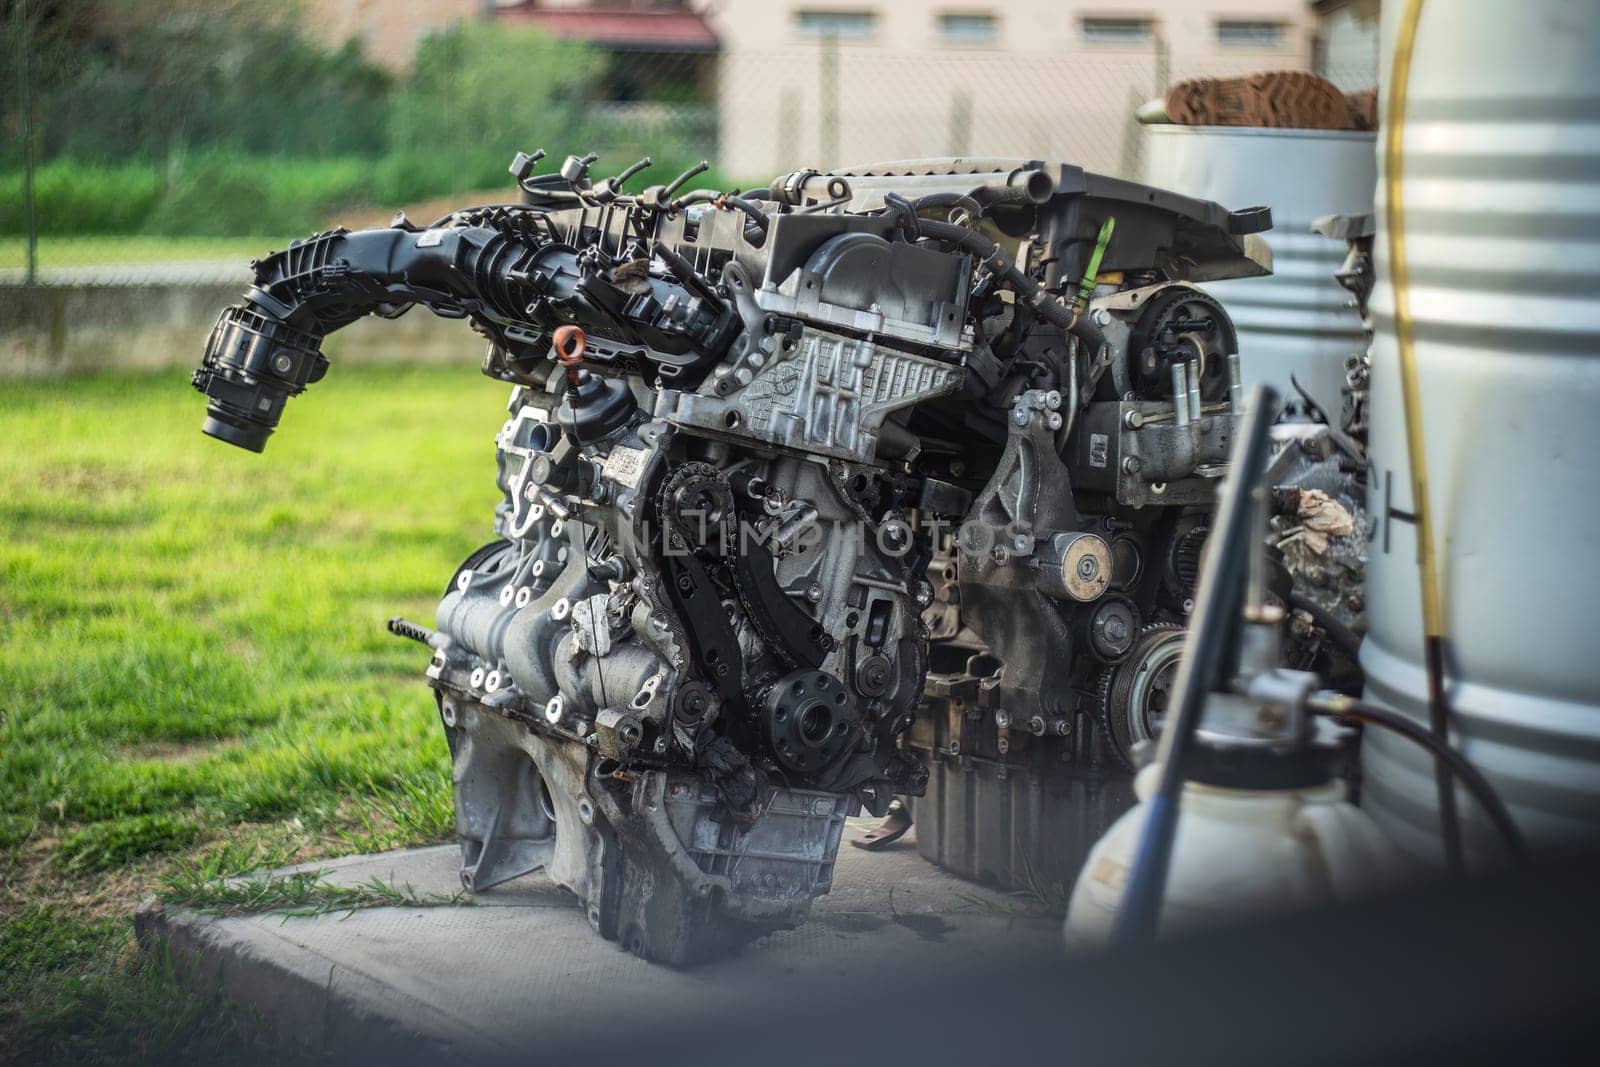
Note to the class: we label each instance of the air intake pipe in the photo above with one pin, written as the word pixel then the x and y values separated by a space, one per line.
pixel 516 283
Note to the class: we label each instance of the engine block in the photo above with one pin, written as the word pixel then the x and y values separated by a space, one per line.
pixel 781 468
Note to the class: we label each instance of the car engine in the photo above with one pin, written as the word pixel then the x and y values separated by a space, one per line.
pixel 785 473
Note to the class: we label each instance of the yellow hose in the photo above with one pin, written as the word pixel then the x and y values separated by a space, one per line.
pixel 1411 399
pixel 1410 392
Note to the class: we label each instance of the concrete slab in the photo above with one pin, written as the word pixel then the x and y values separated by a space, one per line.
pixel 522 960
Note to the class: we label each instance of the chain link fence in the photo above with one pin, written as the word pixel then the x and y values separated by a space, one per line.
pixel 124 164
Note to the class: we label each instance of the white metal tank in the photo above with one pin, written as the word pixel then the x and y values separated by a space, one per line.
pixel 1297 320
pixel 1500 191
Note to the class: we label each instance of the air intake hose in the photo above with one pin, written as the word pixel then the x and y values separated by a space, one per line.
pixel 268 348
pixel 504 273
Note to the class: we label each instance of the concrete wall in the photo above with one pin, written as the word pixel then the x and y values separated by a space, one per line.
pixel 70 329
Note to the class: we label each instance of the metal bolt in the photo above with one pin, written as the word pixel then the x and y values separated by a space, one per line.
pixel 1100 317
pixel 1020 417
pixel 1037 725
pixel 1002 718
pixel 1131 465
pixel 1115 628
pixel 814 593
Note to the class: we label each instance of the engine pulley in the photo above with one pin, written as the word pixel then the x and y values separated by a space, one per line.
pixel 809 720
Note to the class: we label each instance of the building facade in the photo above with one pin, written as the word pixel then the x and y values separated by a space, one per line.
pixel 763 86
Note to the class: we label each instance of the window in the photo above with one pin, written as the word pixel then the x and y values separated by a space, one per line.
pixel 969 29
pixel 1116 31
pixel 1250 33
pixel 843 24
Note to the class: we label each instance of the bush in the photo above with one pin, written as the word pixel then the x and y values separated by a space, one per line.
pixel 215 127
pixel 480 92
pixel 233 195
pixel 76 198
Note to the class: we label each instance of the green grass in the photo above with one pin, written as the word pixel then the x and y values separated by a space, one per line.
pixel 55 252
pixel 192 654
pixel 300 893
pixel 72 990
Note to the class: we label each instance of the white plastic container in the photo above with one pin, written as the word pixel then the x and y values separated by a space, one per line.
pixel 1238 854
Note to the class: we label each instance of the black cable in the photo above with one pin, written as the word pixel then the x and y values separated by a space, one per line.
pixel 1469 776
pixel 1337 632
pixel 987 252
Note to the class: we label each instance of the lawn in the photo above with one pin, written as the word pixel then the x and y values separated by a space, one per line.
pixel 194 671
pixel 125 251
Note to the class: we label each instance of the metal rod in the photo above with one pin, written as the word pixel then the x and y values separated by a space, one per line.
pixel 1180 393
pixel 1207 647
pixel 828 100
pixel 29 214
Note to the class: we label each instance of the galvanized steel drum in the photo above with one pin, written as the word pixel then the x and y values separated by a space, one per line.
pixel 1501 194
pixel 1298 321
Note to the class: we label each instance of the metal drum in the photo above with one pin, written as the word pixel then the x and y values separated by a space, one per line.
pixel 1297 321
pixel 1501 196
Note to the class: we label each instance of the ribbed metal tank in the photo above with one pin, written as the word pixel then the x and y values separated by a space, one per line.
pixel 1297 320
pixel 1501 200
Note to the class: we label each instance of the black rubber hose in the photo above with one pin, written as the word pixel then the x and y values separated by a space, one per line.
pixel 758 218
pixel 987 251
pixel 934 201
pixel 1359 711
pixel 1338 632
